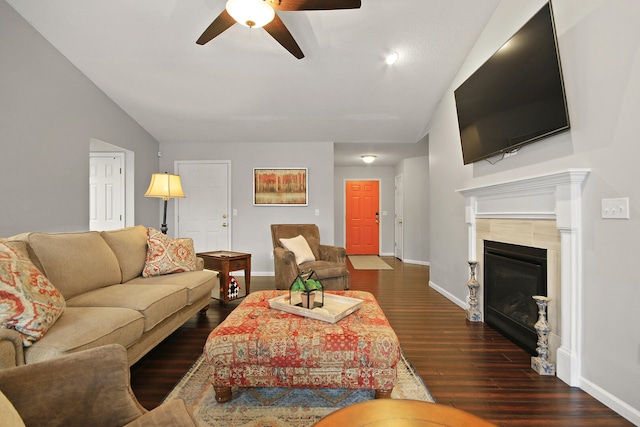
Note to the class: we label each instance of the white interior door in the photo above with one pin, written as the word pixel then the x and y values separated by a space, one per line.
pixel 398 229
pixel 203 214
pixel 106 186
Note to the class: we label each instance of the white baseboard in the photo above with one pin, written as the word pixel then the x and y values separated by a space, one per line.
pixel 413 261
pixel 263 273
pixel 449 296
pixel 624 409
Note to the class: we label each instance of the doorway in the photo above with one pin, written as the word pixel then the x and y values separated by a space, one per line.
pixel 362 222
pixel 203 214
pixel 101 148
pixel 398 246
pixel 107 191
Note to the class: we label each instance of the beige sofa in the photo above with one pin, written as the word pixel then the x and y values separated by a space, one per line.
pixel 107 299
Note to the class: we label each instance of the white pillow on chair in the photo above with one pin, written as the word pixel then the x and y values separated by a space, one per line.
pixel 300 248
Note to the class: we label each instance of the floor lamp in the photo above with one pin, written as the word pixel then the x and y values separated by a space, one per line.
pixel 164 186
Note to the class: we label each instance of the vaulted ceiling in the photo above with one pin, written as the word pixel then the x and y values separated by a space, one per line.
pixel 243 86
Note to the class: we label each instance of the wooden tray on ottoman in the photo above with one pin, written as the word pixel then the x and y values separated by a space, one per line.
pixel 335 307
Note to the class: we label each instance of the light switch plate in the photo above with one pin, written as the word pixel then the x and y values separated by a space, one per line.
pixel 615 208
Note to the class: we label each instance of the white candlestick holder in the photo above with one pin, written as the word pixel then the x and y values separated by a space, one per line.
pixel 541 363
pixel 473 312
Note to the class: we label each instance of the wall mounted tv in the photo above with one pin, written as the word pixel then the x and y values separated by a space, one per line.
pixel 517 96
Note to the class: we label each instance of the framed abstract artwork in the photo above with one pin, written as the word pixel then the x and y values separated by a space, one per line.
pixel 280 187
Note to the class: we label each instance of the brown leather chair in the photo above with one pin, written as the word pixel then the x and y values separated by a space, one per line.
pixel 330 264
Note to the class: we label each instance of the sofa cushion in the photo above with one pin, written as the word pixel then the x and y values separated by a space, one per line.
pixel 81 328
pixel 166 255
pixel 197 283
pixel 76 262
pixel 154 302
pixel 29 303
pixel 10 417
pixel 300 248
pixel 130 247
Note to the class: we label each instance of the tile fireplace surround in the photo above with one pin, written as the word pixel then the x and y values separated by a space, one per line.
pixel 542 211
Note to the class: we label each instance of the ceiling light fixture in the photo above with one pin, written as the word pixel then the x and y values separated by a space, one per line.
pixel 391 58
pixel 250 13
pixel 368 158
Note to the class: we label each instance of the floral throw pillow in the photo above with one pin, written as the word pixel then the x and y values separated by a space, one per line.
pixel 166 255
pixel 29 303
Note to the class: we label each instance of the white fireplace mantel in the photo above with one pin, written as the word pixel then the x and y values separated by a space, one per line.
pixel 550 196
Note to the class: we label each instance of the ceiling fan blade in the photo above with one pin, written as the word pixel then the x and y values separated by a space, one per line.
pixel 221 23
pixel 282 35
pixel 289 5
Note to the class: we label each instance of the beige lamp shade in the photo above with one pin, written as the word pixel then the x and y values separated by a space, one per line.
pixel 165 186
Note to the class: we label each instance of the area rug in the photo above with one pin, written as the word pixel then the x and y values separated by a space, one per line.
pixel 368 262
pixel 281 407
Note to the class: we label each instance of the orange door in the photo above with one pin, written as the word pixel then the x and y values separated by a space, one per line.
pixel 363 217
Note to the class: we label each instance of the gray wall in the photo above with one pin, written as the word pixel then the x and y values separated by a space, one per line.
pixel 385 175
pixel 600 51
pixel 50 112
pixel 415 221
pixel 250 228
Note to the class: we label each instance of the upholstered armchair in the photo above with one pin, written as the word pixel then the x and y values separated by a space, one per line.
pixel 86 388
pixel 329 262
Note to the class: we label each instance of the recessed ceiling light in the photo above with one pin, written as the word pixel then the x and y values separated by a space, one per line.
pixel 368 158
pixel 391 58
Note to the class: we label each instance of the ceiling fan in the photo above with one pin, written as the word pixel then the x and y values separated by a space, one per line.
pixel 261 13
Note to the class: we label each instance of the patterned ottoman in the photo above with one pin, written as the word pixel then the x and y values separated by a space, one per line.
pixel 257 346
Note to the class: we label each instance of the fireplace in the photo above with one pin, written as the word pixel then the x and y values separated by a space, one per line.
pixel 517 211
pixel 512 275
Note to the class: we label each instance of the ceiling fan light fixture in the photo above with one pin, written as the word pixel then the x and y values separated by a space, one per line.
pixel 250 13
pixel 368 158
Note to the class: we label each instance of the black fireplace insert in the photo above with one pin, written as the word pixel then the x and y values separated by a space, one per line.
pixel 512 275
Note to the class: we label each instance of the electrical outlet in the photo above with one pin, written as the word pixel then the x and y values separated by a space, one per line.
pixel 615 208
pixel 271 255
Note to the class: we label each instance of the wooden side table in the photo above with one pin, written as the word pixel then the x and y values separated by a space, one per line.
pixel 401 413
pixel 225 262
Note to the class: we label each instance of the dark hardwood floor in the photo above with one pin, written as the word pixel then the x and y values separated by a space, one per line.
pixel 466 365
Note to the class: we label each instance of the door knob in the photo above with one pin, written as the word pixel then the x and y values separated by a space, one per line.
pixel 224 224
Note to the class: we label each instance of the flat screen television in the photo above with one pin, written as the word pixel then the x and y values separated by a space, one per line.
pixel 517 96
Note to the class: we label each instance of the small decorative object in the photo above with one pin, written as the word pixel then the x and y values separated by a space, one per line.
pixel 234 288
pixel 541 363
pixel 308 299
pixel 473 313
pixel 307 288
